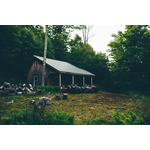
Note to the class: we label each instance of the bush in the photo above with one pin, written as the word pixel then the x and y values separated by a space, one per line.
pixel 51 89
pixel 95 121
pixel 29 118
pixel 127 118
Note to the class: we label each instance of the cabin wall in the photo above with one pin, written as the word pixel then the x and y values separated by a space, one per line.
pixel 36 70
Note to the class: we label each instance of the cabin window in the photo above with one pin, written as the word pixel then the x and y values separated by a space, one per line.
pixel 35 80
pixel 36 64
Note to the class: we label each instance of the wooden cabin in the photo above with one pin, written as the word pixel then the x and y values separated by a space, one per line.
pixel 57 73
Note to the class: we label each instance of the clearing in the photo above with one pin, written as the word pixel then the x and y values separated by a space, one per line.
pixel 83 106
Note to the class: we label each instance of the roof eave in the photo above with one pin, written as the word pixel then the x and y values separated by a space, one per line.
pixel 76 73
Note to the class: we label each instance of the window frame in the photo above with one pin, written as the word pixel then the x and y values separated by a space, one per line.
pixel 35 81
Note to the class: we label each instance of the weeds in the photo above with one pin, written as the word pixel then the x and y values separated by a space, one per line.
pixel 95 121
pixel 29 118
pixel 127 118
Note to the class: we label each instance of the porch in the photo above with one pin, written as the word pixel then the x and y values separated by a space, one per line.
pixel 58 79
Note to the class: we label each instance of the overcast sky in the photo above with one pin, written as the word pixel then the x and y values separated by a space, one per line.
pixel 102 36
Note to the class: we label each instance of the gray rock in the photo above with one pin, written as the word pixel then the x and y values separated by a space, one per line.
pixel 32 102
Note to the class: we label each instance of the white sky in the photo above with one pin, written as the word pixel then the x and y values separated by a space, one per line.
pixel 102 36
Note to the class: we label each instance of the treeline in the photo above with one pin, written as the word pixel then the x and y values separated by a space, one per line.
pixel 17 46
pixel 18 43
pixel 130 50
pixel 130 69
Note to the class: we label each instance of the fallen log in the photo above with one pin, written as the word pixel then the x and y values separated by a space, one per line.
pixel 27 89
pixel 19 93
pixel 19 89
pixel 1 87
pixel 30 87
pixel 12 90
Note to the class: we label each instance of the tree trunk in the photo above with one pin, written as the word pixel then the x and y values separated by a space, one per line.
pixel 44 58
pixel 85 32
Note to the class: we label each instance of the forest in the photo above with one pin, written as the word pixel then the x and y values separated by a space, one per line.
pixel 127 71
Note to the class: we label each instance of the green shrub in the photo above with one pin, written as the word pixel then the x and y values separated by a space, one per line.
pixel 95 121
pixel 56 89
pixel 51 89
pixel 127 118
pixel 29 118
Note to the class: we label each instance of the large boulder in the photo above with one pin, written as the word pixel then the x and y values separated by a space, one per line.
pixel 47 100
pixel 40 105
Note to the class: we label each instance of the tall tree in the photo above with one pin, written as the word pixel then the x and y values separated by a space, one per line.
pixel 44 58
pixel 130 51
pixel 18 44
pixel 85 32
pixel 60 37
pixel 86 37
pixel 95 63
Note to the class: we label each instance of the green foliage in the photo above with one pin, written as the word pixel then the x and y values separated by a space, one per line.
pixel 95 121
pixel 18 45
pixel 127 118
pixel 60 37
pixel 29 118
pixel 51 89
pixel 130 51
pixel 84 56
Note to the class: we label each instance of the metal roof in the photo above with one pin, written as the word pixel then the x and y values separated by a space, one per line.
pixel 65 67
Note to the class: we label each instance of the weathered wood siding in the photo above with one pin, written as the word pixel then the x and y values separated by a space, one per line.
pixel 36 70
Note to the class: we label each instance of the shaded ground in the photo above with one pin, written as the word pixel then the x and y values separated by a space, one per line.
pixel 83 106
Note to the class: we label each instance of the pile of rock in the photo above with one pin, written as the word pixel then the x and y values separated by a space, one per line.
pixel 8 89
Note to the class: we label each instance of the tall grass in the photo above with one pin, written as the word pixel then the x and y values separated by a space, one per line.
pixel 29 118
pixel 95 121
pixel 127 118
pixel 63 118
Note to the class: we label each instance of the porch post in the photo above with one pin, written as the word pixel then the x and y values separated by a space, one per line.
pixel 91 80
pixel 72 79
pixel 60 79
pixel 83 80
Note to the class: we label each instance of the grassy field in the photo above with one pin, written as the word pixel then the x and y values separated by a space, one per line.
pixel 84 107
